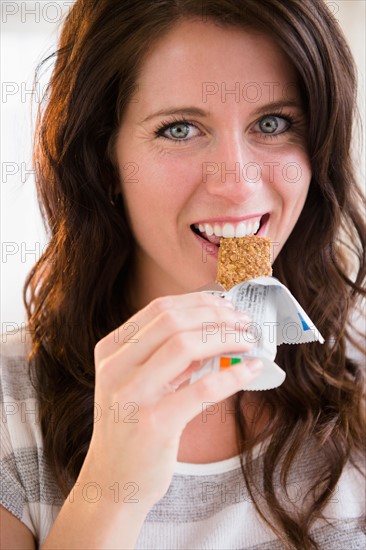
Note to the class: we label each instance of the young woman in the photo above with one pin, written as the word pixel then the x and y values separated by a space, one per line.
pixel 168 123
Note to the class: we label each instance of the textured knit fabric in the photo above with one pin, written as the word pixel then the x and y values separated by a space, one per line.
pixel 207 506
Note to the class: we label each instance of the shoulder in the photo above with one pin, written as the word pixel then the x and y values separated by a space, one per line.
pixel 16 344
pixel 29 490
pixel 15 378
pixel 356 333
pixel 343 522
pixel 18 395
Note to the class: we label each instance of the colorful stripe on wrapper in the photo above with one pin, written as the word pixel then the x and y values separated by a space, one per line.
pixel 228 361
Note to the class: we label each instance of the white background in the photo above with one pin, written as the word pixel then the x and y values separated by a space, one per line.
pixel 29 33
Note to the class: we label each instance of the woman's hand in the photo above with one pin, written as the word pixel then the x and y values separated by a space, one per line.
pixel 139 417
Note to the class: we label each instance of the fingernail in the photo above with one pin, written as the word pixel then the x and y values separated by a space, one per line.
pixel 254 365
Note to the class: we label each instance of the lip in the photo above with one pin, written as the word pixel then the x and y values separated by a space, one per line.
pixel 230 219
pixel 208 249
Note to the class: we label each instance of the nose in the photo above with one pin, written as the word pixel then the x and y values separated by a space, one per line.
pixel 232 172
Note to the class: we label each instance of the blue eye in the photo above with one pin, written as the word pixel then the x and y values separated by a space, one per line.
pixel 179 130
pixel 271 124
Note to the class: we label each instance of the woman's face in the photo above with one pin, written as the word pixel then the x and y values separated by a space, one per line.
pixel 213 142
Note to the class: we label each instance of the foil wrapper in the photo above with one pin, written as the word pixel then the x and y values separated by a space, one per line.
pixel 276 318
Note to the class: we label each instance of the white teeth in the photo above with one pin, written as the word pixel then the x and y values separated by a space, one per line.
pixel 209 229
pixel 256 227
pixel 241 230
pixel 218 230
pixel 230 230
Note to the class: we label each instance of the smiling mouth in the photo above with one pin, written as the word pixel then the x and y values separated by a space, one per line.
pixel 212 232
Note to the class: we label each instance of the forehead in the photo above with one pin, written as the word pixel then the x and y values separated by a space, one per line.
pixel 195 56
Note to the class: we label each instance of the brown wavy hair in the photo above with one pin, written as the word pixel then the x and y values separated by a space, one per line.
pixel 78 291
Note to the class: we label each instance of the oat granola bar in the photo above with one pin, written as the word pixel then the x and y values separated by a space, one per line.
pixel 243 258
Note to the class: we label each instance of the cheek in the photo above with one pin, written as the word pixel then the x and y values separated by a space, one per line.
pixel 289 186
pixel 289 174
pixel 159 189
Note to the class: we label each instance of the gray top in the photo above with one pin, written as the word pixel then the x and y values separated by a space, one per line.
pixel 207 506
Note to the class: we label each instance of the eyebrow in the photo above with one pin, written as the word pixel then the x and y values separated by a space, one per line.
pixel 189 111
pixel 195 111
pixel 277 106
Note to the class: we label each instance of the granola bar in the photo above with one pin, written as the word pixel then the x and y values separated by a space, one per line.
pixel 243 258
